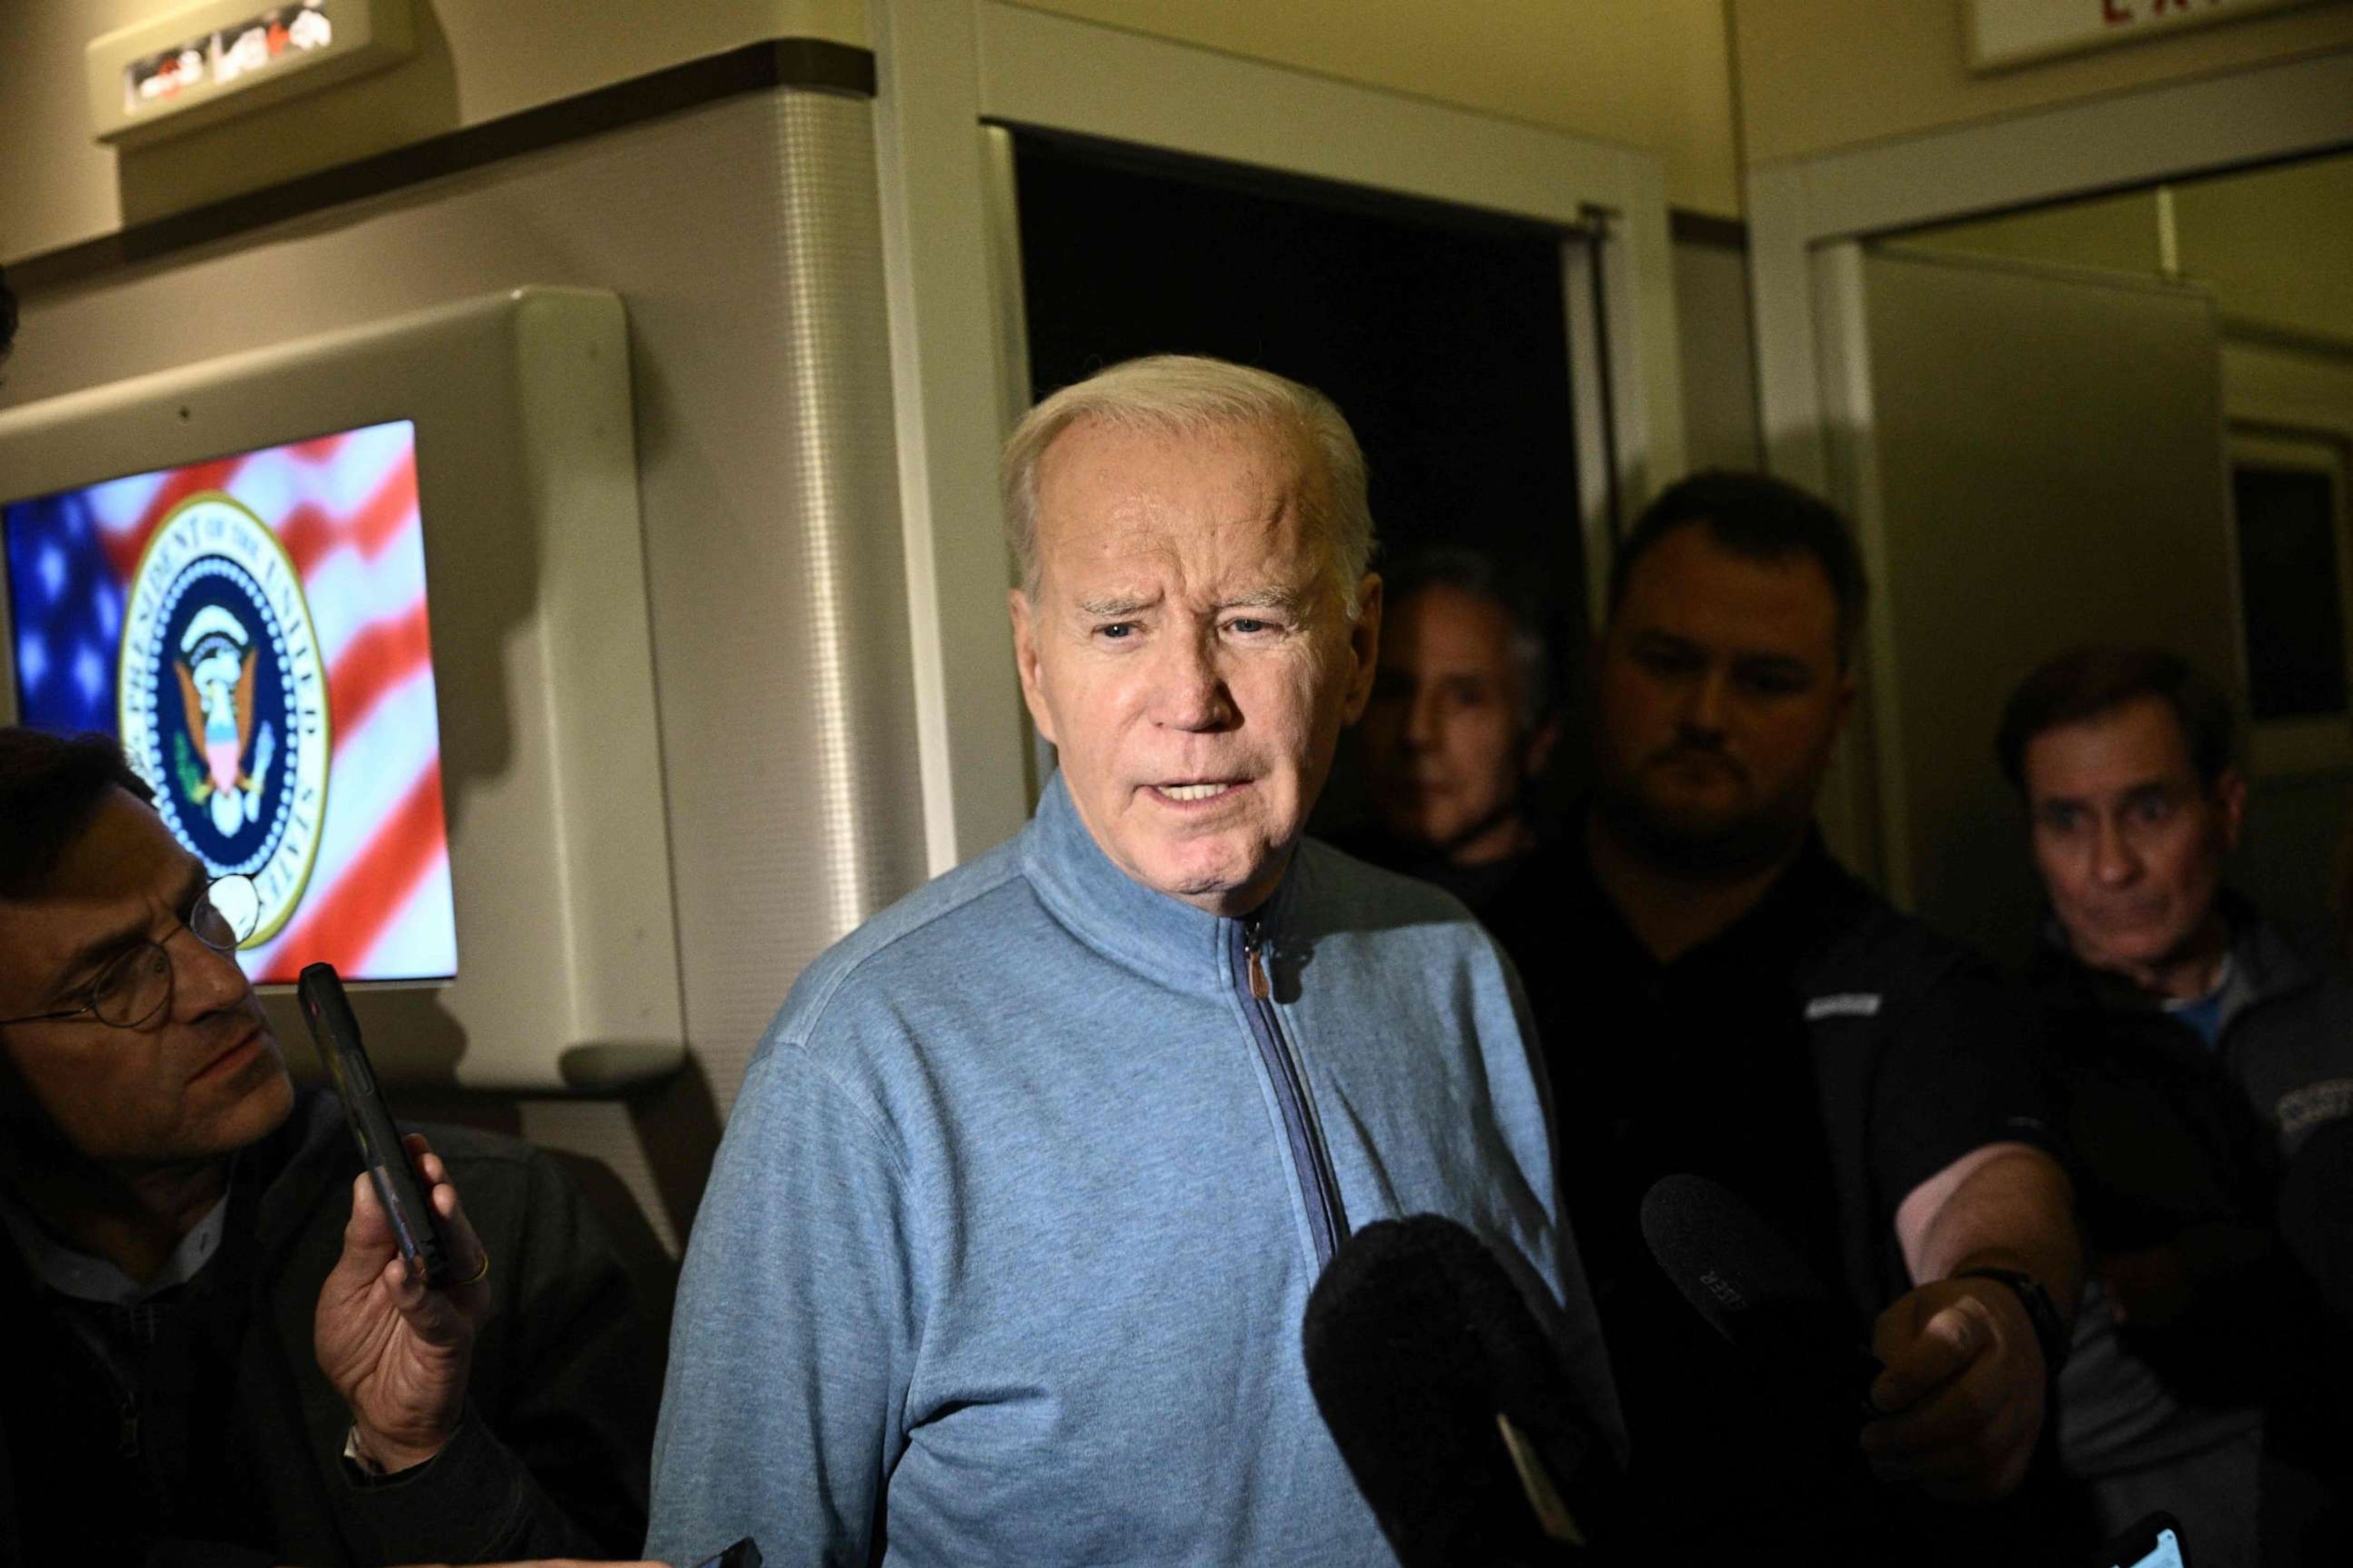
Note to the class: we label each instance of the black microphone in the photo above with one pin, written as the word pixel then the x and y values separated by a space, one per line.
pixel 1451 1403
pixel 1794 1334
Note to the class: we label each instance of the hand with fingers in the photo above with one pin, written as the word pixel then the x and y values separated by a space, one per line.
pixel 1961 1397
pixel 398 1351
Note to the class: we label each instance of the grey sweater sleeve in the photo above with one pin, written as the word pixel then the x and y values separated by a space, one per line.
pixel 791 1351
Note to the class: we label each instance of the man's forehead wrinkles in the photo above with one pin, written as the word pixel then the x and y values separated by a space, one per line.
pixel 1211 572
pixel 1277 595
pixel 1281 595
pixel 191 878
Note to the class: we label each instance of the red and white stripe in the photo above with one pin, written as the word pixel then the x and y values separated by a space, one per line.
pixel 345 507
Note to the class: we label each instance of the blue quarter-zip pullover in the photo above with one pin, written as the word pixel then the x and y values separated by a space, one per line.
pixel 1005 1254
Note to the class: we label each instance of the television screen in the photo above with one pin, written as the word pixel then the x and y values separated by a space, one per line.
pixel 253 629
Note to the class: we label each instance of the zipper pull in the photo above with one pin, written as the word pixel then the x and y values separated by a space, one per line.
pixel 1251 945
pixel 127 1444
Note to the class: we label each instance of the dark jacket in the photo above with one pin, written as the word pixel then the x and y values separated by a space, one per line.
pixel 2174 1135
pixel 2290 1044
pixel 2196 1147
pixel 553 1456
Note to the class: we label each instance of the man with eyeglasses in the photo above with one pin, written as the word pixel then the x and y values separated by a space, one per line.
pixel 215 1355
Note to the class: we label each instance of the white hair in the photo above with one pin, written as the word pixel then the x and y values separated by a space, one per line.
pixel 1181 394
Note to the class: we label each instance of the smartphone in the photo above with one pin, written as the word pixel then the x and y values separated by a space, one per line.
pixel 2154 1542
pixel 336 1033
pixel 743 1554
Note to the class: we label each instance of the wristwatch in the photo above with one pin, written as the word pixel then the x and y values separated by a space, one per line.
pixel 2049 1328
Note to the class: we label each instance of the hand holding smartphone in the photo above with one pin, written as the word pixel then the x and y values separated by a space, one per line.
pixel 328 1012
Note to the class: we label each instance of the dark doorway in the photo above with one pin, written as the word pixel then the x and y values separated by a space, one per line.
pixel 1441 332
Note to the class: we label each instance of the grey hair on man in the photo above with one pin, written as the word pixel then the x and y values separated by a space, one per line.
pixel 1182 394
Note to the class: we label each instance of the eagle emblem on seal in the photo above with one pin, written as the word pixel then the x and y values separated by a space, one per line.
pixel 216 670
pixel 223 699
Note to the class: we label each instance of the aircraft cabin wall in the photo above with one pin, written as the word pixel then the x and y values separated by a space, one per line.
pixel 738 219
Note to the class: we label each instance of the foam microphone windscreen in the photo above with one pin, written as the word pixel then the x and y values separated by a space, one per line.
pixel 1792 1331
pixel 1415 1339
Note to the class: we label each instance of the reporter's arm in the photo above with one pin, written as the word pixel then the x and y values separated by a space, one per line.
pixel 2004 1205
pixel 549 1453
pixel 1966 1377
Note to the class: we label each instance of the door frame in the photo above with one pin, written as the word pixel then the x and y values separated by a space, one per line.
pixel 2287 391
pixel 948 70
pixel 1808 217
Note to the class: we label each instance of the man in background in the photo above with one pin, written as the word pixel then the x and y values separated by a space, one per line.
pixel 2199 1049
pixel 1460 724
pixel 215 1354
pixel 1717 996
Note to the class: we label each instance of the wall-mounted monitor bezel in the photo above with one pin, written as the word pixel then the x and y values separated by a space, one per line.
pixel 255 627
pixel 567 931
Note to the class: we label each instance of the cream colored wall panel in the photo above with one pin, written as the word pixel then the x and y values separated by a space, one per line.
pixel 2275 245
pixel 2119 233
pixel 1798 206
pixel 1719 358
pixel 57 185
pixel 1654 74
pixel 2034 458
pixel 1820 74
pixel 475 60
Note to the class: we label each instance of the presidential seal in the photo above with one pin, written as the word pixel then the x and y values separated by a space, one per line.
pixel 224 700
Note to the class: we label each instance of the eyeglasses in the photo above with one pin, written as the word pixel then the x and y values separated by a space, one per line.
pixel 136 985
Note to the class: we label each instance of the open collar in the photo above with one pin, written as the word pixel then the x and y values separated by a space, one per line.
pixel 2265 964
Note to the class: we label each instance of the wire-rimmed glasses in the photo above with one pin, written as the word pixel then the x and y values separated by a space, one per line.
pixel 136 984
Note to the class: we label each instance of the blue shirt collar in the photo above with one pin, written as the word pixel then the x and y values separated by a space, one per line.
pixel 78 1274
pixel 1164 939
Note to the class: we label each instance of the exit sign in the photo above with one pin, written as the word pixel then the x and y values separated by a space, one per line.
pixel 2004 33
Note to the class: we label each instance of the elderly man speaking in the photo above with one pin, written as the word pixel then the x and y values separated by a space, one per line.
pixel 1006 1252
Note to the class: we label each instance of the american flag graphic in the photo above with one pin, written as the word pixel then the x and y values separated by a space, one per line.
pixel 343 507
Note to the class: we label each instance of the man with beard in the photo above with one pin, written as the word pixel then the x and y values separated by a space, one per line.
pixel 1716 995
